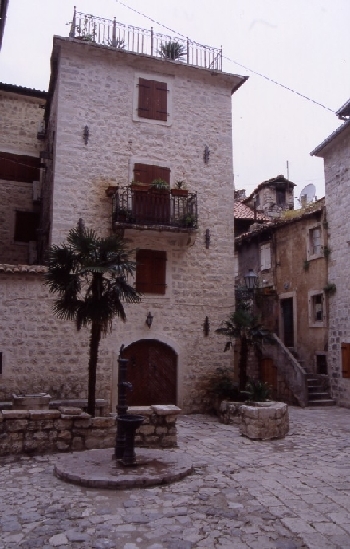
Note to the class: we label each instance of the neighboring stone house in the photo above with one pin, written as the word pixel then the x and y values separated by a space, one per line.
pixel 289 257
pixel 335 151
pixel 272 197
pixel 117 115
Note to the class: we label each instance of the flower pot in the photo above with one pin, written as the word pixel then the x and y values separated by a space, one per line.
pixel 179 192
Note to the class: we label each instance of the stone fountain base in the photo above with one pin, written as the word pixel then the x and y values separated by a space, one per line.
pixel 264 420
pixel 98 468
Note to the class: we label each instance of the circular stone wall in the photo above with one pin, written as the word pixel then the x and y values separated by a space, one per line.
pixel 264 420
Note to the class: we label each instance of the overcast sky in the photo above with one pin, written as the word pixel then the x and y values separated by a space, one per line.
pixel 302 44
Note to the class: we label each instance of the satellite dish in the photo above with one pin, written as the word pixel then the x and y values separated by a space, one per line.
pixel 307 194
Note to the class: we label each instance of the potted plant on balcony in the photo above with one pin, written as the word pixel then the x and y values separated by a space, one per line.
pixel 188 220
pixel 160 185
pixel 138 186
pixel 172 50
pixel 179 189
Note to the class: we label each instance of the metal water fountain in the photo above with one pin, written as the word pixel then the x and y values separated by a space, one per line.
pixel 127 424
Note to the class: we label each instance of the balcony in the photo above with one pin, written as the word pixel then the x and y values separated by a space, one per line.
pixel 116 35
pixel 140 206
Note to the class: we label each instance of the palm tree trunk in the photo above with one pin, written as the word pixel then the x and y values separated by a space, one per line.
pixel 95 338
pixel 243 362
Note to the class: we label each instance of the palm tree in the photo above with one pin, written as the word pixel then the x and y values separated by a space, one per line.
pixel 89 276
pixel 243 325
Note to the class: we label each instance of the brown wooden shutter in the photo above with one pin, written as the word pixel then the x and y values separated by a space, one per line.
pixel 161 101
pixel 153 99
pixel 23 168
pixel 345 359
pixel 151 271
pixel 146 173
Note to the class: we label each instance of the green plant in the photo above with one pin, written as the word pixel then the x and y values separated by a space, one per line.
pixel 188 220
pixel 172 50
pixel 160 184
pixel 242 324
pixel 257 391
pixel 89 275
pixel 330 288
pixel 306 265
pixel 180 184
pixel 222 385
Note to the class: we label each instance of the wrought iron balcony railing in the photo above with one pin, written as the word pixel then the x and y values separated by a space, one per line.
pixel 154 207
pixel 109 32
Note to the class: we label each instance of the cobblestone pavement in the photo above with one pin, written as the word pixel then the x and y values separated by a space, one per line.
pixel 283 494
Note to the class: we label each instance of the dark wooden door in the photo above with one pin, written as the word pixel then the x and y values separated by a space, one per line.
pixel 288 321
pixel 268 373
pixel 152 370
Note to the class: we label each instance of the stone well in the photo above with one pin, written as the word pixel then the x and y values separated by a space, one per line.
pixel 264 420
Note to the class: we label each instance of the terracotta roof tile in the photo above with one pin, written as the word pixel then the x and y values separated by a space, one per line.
pixel 241 211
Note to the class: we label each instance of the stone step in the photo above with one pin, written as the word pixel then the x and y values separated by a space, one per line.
pixel 322 402
pixel 319 395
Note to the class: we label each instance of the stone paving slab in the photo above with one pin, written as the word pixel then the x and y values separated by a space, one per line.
pixel 98 469
pixel 292 493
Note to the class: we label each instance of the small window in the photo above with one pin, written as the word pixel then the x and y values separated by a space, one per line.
pixel 316 309
pixel 26 226
pixel 151 271
pixel 265 257
pixel 280 197
pixel 315 242
pixel 321 363
pixel 345 359
pixel 153 99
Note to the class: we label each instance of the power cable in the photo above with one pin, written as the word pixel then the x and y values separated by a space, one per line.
pixel 231 60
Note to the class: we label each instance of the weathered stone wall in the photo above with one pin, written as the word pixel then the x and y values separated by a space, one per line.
pixel 70 429
pixel 19 120
pixel 337 177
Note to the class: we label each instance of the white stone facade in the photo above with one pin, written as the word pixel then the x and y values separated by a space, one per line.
pixel 336 154
pixel 95 86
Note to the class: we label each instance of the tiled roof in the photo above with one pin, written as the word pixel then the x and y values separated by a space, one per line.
pixel 35 269
pixel 344 109
pixel 241 211
pixel 298 215
pixel 319 148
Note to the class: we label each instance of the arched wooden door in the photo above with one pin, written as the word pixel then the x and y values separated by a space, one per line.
pixel 152 370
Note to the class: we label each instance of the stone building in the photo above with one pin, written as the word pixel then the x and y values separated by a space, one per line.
pixel 335 151
pixel 272 197
pixel 289 258
pixel 118 115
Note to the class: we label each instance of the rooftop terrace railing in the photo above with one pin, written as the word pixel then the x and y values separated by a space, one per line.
pixel 109 32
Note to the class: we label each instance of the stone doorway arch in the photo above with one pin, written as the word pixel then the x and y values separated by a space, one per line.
pixel 152 370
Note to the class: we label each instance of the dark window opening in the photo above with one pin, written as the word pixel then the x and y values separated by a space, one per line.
pixel 153 100
pixel 26 226
pixel 151 272
pixel 321 364
pixel 16 167
pixel 280 197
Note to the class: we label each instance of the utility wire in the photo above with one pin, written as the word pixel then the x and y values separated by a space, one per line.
pixel 231 60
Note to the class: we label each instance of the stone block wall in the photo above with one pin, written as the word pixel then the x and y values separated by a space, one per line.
pixel 20 117
pixel 337 177
pixel 70 429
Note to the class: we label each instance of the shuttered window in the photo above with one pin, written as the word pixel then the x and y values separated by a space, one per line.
pixel 153 99
pixel 146 173
pixel 345 359
pixel 26 225
pixel 151 272
pixel 265 257
pixel 16 167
